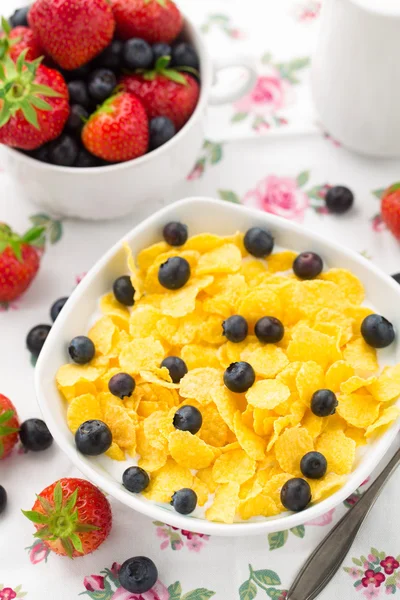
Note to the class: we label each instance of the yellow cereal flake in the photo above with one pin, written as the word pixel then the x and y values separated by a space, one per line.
pixel 109 305
pixel 387 386
pixel 357 314
pixel 160 376
pixel 252 270
pixel 214 430
pixel 182 302
pixel 152 430
pixel 288 375
pixel 361 356
pixel 274 486
pixel 267 361
pixel 151 458
pixel 328 485
pixel 327 315
pixel 337 373
pixel 252 444
pixel 201 491
pixel 225 503
pixel 141 354
pixel 259 505
pixel 115 452
pixel 69 375
pixel 189 450
pixel 235 466
pixel 312 423
pixel 206 476
pixel 205 242
pixel 179 331
pixel 122 427
pixel 102 334
pixel 389 415
pixel 135 276
pixel 281 261
pixel 267 393
pixel 199 384
pixel 309 379
pixel 167 480
pixel 356 434
pixel 358 409
pixel 143 321
pixel 211 330
pixel 148 255
pixel 225 259
pixel 310 345
pixel 355 382
pixel 258 303
pixel 349 284
pixel 338 450
pixel 200 355
pixel 291 446
pixel 81 409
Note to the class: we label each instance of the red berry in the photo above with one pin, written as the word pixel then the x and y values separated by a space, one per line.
pixel 16 40
pixel 72 31
pixel 118 130
pixel 71 536
pixel 152 20
pixel 390 209
pixel 9 426
pixel 163 96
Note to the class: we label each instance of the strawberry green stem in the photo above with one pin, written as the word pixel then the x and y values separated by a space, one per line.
pixel 9 239
pixel 5 429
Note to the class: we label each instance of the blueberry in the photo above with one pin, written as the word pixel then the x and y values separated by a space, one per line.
pixel 188 418
pixel 235 329
pixel 63 151
pixel 296 494
pixel 93 438
pixel 79 73
pixel 35 436
pixel 323 403
pixel 396 277
pixel 175 233
pixel 36 338
pixel 269 330
pixel 137 54
pixel 239 377
pixel 161 49
pixel 162 130
pixel 259 242
pixel 57 308
pixel 76 120
pixel 184 501
pixel 174 273
pixel 81 349
pixel 124 291
pixel 101 84
pixel 339 199
pixel 184 55
pixel 3 499
pixel 313 465
pixel 377 331
pixel 138 575
pixel 307 265
pixel 176 366
pixel 20 17
pixel 135 479
pixel 122 385
pixel 78 93
pixel 110 58
pixel 86 160
pixel 42 153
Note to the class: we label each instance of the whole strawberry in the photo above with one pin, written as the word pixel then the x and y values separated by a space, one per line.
pixel 34 103
pixel 72 517
pixel 151 20
pixel 14 41
pixel 390 209
pixel 165 92
pixel 9 426
pixel 72 31
pixel 118 130
pixel 19 261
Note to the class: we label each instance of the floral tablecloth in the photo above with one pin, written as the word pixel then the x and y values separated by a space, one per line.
pixel 267 151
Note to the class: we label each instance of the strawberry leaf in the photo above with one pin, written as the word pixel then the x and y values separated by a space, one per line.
pixel 33 234
pixel 58 497
pixel 6 416
pixel 76 542
pixel 162 63
pixel 174 76
pixel 5 25
pixel 45 504
pixel 29 113
pixel 68 547
pixel 40 103
pixel 85 527
pixel 70 504
pixel 4 430
pixel 16 248
pixel 36 517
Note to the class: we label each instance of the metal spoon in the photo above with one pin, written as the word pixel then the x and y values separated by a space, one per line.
pixel 326 559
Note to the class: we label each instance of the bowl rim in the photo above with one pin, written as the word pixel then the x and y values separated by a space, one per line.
pixel 205 86
pixel 150 509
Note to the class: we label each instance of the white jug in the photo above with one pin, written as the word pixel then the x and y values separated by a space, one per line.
pixel 356 74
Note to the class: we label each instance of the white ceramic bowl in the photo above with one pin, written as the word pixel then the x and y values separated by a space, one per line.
pixel 201 214
pixel 113 191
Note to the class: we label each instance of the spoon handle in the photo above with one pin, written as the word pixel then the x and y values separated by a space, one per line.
pixel 326 559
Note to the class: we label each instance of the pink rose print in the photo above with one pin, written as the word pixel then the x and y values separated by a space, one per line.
pixel 280 196
pixel 7 594
pixel 389 564
pixel 371 592
pixel 194 544
pixel 38 552
pixel 354 573
pixel 325 519
pixel 177 539
pixel 269 95
pixel 372 578
pixel 94 583
pixel 158 592
pixel 197 171
pixel 115 568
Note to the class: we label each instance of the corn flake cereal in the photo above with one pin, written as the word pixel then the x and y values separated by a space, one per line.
pixel 291 446
pixel 189 450
pixel 267 361
pixel 267 394
pixel 359 410
pixel 252 444
pixel 338 450
pixel 199 384
pixel 388 416
pixel 225 503
pixel 338 372
pixel 235 466
pixel 81 409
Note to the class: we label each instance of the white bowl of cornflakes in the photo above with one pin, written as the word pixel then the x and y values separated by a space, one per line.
pixel 251 443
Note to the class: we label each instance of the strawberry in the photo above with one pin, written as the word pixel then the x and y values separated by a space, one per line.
pixel 118 130
pixel 9 426
pixel 27 120
pixel 390 209
pixel 165 92
pixel 14 41
pixel 72 31
pixel 19 261
pixel 72 517
pixel 151 20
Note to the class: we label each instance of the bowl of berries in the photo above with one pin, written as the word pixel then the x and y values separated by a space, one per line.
pixel 103 103
pixel 225 371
